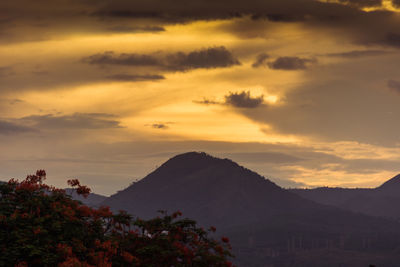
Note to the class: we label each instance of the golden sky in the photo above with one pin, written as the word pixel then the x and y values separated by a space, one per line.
pixel 304 92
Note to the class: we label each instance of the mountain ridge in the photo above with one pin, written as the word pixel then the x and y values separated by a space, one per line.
pixel 382 201
pixel 254 212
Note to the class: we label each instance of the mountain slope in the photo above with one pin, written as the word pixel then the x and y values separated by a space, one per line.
pixel 205 187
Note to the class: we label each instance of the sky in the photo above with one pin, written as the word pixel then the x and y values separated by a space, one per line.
pixel 304 92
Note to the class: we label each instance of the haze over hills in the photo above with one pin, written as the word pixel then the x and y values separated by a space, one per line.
pixel 267 224
pixel 382 201
pixel 92 199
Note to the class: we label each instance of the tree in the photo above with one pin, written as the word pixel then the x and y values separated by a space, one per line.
pixel 41 225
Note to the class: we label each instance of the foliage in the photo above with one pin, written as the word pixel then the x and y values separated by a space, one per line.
pixel 41 225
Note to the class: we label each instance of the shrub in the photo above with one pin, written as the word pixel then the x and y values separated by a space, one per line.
pixel 41 225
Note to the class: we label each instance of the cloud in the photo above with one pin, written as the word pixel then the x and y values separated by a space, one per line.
pixel 290 63
pixel 129 29
pixel 396 3
pixel 209 58
pixel 279 17
pixel 261 60
pixel 394 85
pixel 363 3
pixel 159 126
pixel 9 128
pixel 57 16
pixel 358 53
pixel 243 100
pixel 392 39
pixel 109 58
pixel 134 78
pixel 238 99
pixel 206 101
pixel 73 122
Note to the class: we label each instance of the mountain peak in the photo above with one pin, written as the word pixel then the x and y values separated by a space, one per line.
pixel 191 162
pixel 199 157
pixel 202 186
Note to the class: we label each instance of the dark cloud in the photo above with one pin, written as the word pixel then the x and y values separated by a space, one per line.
pixel 243 100
pixel 129 29
pixel 160 126
pixel 261 60
pixel 280 17
pixel 178 12
pixel 394 85
pixel 183 11
pixel 238 99
pixel 358 53
pixel 363 3
pixel 74 121
pixel 206 101
pixel 9 128
pixel 214 57
pixel 59 16
pixel 110 58
pixel 392 39
pixel 396 3
pixel 135 78
pixel 291 63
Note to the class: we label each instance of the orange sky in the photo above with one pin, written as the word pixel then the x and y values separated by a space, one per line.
pixel 304 92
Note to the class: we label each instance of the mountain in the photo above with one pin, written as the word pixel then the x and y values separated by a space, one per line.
pixel 268 225
pixel 92 199
pixel 383 201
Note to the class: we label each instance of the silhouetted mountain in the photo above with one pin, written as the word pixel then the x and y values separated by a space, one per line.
pixel 267 224
pixel 382 201
pixel 92 200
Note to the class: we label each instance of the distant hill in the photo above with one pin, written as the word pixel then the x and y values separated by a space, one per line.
pixel 92 200
pixel 382 201
pixel 267 224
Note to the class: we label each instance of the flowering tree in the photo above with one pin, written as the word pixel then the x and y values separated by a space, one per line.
pixel 41 225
